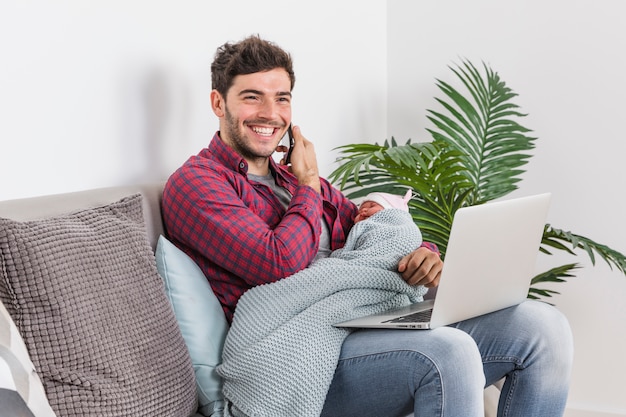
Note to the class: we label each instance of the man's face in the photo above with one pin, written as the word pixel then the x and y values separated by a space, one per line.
pixel 256 113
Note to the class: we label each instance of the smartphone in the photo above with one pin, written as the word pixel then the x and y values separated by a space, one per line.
pixel 291 143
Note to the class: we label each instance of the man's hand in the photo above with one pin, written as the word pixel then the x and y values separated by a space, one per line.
pixel 304 161
pixel 421 267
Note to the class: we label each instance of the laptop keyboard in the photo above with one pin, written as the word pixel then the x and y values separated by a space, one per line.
pixel 419 317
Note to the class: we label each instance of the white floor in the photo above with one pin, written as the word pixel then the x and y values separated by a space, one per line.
pixel 589 413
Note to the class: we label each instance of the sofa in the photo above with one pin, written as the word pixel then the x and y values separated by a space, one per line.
pixel 101 315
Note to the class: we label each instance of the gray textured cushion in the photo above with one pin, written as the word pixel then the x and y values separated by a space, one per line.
pixel 84 292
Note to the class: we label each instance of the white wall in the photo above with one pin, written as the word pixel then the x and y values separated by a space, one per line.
pixel 109 92
pixel 566 59
pixel 101 92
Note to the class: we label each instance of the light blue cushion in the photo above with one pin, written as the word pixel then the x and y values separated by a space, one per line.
pixel 201 320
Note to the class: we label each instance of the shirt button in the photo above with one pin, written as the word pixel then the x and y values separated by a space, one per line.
pixel 242 165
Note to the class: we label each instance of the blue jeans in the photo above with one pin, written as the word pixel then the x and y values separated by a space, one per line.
pixel 443 372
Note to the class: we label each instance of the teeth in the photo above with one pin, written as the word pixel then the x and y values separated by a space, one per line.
pixel 267 131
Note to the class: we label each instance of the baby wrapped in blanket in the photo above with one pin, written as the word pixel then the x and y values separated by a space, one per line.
pixel 282 350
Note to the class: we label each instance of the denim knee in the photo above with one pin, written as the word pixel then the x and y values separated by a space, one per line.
pixel 552 334
pixel 455 385
pixel 454 353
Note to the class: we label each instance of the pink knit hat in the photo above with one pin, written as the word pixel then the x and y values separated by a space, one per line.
pixel 390 200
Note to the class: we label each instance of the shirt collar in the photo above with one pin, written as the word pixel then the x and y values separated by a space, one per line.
pixel 227 156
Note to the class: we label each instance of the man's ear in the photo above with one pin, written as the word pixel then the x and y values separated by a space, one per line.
pixel 218 104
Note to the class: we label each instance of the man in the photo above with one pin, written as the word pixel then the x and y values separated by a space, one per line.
pixel 248 221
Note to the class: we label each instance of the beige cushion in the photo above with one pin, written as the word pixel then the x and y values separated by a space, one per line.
pixel 85 295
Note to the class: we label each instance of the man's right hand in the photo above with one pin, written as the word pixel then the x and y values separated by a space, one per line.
pixel 304 161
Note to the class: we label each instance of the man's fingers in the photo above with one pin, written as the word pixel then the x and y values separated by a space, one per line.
pixel 421 267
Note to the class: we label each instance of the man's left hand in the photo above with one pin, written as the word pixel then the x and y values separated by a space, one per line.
pixel 421 267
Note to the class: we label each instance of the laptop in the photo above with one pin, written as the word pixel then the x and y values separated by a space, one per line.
pixel 490 261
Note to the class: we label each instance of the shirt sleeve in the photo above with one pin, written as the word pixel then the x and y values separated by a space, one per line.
pixel 430 246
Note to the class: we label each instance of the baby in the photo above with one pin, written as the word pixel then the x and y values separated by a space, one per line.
pixel 375 202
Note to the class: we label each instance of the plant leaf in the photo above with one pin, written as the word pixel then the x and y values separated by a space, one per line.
pixel 569 242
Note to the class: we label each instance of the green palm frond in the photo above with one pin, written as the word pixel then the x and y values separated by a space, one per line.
pixel 558 274
pixel 435 217
pixel 567 241
pixel 391 167
pixel 477 154
pixel 483 128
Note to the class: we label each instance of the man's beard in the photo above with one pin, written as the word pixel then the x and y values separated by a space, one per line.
pixel 239 142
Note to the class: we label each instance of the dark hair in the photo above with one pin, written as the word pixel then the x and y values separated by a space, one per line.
pixel 247 56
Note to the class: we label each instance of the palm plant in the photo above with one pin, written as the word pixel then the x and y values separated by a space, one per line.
pixel 477 154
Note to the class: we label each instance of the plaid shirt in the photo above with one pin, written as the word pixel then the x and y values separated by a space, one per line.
pixel 236 229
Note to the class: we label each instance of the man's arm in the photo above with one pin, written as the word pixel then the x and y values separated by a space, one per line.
pixel 204 211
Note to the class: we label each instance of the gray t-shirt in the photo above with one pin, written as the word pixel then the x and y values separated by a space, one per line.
pixel 284 197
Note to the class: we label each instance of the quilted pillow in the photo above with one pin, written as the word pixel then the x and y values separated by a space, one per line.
pixel 85 294
pixel 21 391
pixel 200 318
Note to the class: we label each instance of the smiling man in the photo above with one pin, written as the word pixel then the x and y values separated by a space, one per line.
pixel 248 221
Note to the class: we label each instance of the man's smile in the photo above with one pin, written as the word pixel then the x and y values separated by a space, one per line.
pixel 263 131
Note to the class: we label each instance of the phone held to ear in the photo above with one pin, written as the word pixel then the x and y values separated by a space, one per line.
pixel 291 143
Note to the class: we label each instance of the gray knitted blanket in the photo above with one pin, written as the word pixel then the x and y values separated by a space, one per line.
pixel 281 352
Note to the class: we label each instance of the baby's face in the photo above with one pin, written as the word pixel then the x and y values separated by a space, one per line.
pixel 367 209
